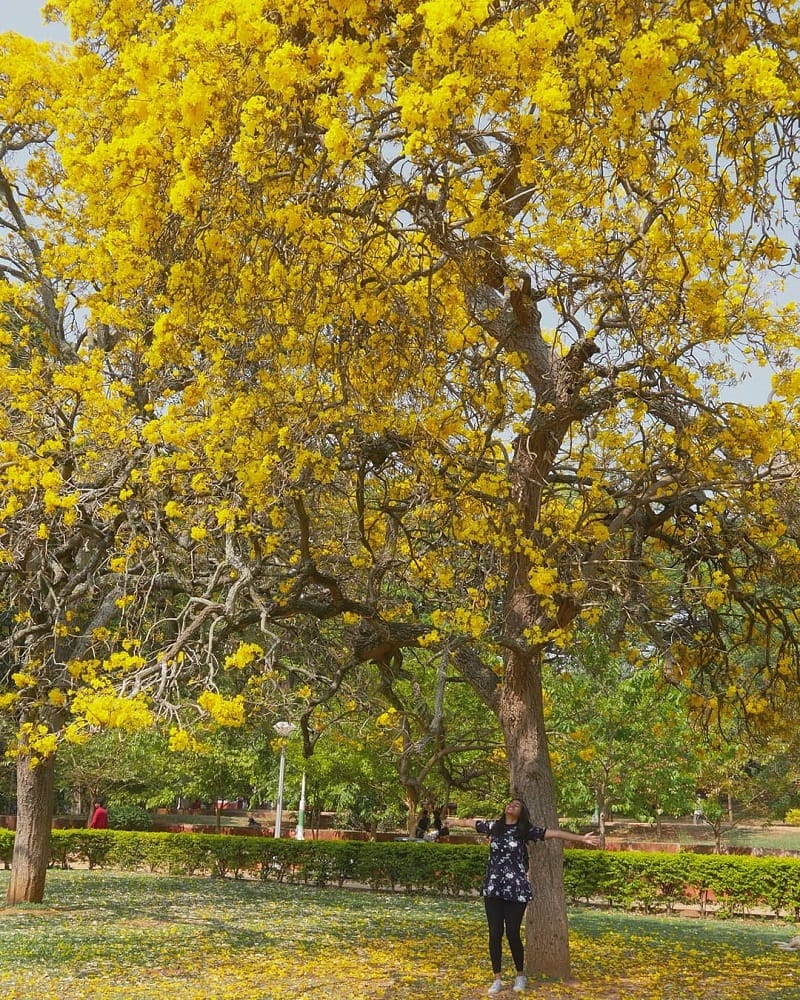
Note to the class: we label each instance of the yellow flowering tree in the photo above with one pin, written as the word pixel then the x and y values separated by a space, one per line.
pixel 38 508
pixel 100 590
pixel 429 314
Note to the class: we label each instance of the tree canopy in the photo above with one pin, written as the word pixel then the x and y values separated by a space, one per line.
pixel 413 320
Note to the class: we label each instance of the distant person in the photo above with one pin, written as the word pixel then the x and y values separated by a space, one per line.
pixel 433 835
pixel 506 888
pixel 423 823
pixel 252 821
pixel 99 820
pixel 437 820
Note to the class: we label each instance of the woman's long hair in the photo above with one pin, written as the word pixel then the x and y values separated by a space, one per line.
pixel 523 823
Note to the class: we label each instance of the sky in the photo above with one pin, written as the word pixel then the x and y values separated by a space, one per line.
pixel 24 17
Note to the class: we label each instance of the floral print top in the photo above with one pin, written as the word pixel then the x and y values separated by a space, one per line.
pixel 506 874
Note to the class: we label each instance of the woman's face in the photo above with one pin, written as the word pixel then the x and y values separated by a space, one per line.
pixel 513 810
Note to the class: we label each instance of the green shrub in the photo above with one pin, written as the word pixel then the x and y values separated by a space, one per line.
pixel 6 846
pixel 128 817
pixel 176 853
pixel 127 851
pixel 91 847
pixel 632 880
pixel 792 818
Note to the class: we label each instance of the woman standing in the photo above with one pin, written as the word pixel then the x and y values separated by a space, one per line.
pixel 506 888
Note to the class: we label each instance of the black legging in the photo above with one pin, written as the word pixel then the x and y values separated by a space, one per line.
pixel 500 913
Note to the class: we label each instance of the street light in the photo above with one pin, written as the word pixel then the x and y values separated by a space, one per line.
pixel 300 831
pixel 284 730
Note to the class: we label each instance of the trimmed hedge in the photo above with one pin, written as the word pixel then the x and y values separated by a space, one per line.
pixel 6 846
pixel 730 885
pixel 652 882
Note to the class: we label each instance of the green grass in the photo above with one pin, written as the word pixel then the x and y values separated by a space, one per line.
pixel 750 834
pixel 141 937
pixel 775 838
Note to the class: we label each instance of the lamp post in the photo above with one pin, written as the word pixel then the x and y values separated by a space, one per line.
pixel 284 730
pixel 300 831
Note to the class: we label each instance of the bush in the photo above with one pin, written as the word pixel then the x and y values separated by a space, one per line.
pixel 127 817
pixel 792 818
pixel 630 880
pixel 94 847
pixel 6 846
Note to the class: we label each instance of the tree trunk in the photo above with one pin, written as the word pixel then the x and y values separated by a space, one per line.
pixel 600 805
pixel 411 798
pixel 32 841
pixel 522 719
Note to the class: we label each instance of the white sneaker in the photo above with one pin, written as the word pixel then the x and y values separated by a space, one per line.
pixel 520 984
pixel 496 987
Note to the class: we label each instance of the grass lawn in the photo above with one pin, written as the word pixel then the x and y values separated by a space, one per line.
pixel 785 838
pixel 751 834
pixel 126 937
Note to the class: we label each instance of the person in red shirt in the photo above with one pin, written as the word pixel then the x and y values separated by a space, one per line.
pixel 99 820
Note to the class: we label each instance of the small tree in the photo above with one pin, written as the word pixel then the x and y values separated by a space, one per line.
pixel 729 776
pixel 619 736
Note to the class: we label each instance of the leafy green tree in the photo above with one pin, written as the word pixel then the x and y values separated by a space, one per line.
pixel 106 763
pixel 154 767
pixel 730 779
pixel 419 715
pixel 780 778
pixel 620 737
pixel 354 773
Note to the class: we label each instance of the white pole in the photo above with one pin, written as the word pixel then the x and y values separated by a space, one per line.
pixel 284 730
pixel 300 832
pixel 279 809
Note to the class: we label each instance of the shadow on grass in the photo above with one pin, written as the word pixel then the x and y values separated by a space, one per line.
pixel 142 937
